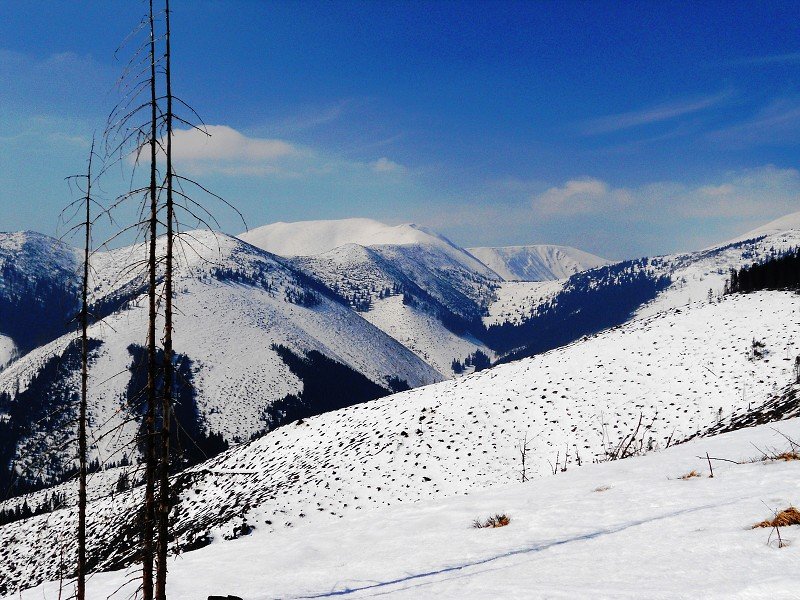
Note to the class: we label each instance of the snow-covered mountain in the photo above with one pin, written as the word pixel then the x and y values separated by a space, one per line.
pixel 411 282
pixel 261 338
pixel 258 343
pixel 539 262
pixel 417 294
pixel 308 238
pixel 780 225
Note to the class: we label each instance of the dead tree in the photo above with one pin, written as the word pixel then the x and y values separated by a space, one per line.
pixel 82 446
pixel 148 517
pixel 168 368
pixel 165 202
pixel 523 447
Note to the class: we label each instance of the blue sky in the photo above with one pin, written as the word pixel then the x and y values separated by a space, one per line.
pixel 624 128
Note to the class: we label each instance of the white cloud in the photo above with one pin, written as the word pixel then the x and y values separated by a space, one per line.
pixel 223 143
pixel 384 165
pixel 578 197
pixel 228 152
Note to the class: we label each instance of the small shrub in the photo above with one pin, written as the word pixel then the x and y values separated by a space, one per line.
pixel 492 522
pixel 785 518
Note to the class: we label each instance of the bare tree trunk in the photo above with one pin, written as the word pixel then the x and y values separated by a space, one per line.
pixel 82 446
pixel 152 368
pixel 166 407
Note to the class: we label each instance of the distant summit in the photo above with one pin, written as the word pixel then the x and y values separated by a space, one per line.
pixel 541 262
pixel 309 238
pixel 784 223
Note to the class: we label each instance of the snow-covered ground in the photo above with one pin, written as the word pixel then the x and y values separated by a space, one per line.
pixel 518 300
pixel 625 529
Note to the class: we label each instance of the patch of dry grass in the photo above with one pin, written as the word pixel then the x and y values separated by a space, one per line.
pixel 492 522
pixel 602 488
pixel 787 456
pixel 785 518
pixel 689 475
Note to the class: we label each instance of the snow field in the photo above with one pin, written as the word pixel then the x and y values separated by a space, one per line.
pixel 626 529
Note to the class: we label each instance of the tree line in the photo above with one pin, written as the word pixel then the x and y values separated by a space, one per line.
pixel 778 271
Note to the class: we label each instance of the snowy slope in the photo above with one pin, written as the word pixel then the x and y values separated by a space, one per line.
pixel 423 333
pixel 518 300
pixel 680 371
pixel 628 529
pixel 779 225
pixel 38 290
pixel 540 262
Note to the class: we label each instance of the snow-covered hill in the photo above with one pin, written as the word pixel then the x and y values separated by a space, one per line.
pixel 624 530
pixel 677 372
pixel 540 262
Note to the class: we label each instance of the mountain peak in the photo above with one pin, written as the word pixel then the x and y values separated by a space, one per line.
pixel 309 238
pixel 538 262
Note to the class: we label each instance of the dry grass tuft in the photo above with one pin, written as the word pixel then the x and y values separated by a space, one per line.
pixel 602 488
pixel 787 456
pixel 789 516
pixel 690 474
pixel 492 522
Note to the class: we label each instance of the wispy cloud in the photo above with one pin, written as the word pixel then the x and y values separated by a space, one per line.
pixel 312 117
pixel 578 197
pixel 64 83
pixel 384 165
pixel 773 59
pixel 653 114
pixel 777 123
